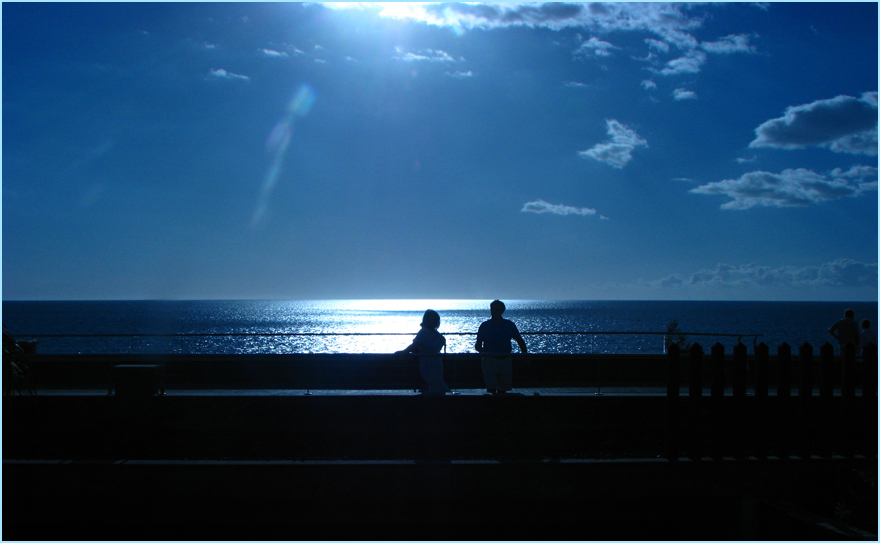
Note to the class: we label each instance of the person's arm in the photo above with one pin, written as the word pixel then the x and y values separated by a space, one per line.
pixel 479 345
pixel 833 330
pixel 517 337
pixel 521 342
pixel 413 349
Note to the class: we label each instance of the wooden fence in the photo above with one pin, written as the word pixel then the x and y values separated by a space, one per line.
pixel 769 419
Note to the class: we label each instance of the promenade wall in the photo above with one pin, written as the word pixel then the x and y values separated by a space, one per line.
pixel 201 463
pixel 374 371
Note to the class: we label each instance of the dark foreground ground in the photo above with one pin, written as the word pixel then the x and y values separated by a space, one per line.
pixel 539 464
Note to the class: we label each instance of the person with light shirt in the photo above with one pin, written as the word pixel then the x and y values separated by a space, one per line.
pixel 493 342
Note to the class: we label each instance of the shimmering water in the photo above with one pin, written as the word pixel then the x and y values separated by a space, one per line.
pixel 397 322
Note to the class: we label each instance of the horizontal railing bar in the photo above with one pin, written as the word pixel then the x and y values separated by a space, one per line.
pixel 273 334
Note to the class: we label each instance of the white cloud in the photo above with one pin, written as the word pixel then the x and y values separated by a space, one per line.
pixel 648 84
pixel 540 206
pixel 791 188
pixel 843 124
pixel 684 94
pixel 271 53
pixel 690 63
pixel 598 47
pixel 738 43
pixel 430 55
pixel 838 273
pixel 618 151
pixel 576 84
pixel 657 45
pixel 460 75
pixel 223 74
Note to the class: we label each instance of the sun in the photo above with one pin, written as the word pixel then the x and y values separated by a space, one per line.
pixel 396 10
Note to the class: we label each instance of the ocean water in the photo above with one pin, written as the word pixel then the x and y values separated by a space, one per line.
pixel 380 326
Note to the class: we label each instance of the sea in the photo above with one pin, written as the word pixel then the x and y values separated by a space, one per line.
pixel 383 326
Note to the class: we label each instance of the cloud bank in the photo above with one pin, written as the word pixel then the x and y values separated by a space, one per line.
pixel 843 124
pixel 618 151
pixel 670 25
pixel 838 273
pixel 791 188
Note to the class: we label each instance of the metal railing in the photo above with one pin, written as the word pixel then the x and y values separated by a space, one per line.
pixel 593 334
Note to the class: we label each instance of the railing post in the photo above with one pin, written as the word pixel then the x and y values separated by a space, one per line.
pixel 695 393
pixel 673 393
pixel 740 359
pixel 869 399
pixel 783 385
pixel 847 400
pixel 805 360
pixel 869 367
pixel 673 376
pixel 717 370
pixel 762 360
pixel 805 394
pixel 826 385
pixel 695 387
pixel 740 416
pixel 826 400
pixel 783 398
pixel 719 430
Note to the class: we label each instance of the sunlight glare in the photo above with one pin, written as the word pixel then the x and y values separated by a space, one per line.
pixel 411 305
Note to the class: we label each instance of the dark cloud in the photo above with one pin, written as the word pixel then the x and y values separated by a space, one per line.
pixel 791 188
pixel 843 124
pixel 838 273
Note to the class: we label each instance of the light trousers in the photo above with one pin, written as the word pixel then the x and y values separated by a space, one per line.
pixel 431 368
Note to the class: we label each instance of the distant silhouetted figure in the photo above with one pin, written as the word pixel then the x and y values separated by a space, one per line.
pixel 427 345
pixel 846 330
pixel 866 336
pixel 493 342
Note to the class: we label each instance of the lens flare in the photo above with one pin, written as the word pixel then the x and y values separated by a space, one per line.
pixel 277 144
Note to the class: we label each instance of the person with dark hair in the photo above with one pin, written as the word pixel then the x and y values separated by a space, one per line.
pixel 427 345
pixel 866 336
pixel 493 342
pixel 846 330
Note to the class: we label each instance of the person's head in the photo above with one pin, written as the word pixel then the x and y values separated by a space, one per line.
pixel 497 308
pixel 849 313
pixel 431 319
pixel 866 324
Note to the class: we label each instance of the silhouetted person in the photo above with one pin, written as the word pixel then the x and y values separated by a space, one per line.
pixel 866 336
pixel 846 330
pixel 493 342
pixel 427 345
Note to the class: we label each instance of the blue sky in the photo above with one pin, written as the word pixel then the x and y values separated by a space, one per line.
pixel 514 151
